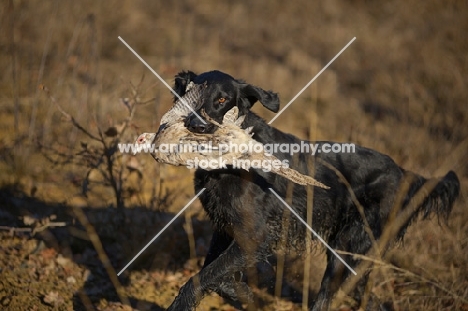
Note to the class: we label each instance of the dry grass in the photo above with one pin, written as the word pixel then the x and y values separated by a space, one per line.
pixel 400 88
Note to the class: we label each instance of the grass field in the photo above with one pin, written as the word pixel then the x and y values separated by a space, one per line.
pixel 73 211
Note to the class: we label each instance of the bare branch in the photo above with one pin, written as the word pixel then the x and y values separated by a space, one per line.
pixel 67 115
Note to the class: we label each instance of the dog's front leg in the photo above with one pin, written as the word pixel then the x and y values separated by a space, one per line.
pixel 210 277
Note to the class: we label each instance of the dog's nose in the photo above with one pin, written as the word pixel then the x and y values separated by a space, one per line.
pixel 196 126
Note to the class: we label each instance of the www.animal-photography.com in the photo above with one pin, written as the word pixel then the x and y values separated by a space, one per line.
pixel 220 155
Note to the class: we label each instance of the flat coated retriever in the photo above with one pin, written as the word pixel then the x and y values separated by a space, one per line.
pixel 363 200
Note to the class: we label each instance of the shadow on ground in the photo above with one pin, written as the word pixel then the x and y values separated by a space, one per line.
pixel 80 260
pixel 69 257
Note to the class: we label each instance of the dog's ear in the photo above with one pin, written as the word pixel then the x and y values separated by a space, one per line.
pixel 181 80
pixel 268 99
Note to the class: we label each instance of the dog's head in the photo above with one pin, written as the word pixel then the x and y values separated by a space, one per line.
pixel 222 93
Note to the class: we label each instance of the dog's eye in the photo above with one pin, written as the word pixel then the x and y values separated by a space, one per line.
pixel 221 100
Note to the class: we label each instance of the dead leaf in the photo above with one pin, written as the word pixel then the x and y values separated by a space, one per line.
pixel 48 253
pixel 28 220
pixel 111 131
pixel 53 299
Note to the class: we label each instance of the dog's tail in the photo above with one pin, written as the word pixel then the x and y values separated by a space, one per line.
pixel 426 197
pixel 440 200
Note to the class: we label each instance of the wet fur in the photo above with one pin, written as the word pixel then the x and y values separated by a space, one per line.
pixel 248 218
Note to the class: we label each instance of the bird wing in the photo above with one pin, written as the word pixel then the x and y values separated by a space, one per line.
pixel 185 104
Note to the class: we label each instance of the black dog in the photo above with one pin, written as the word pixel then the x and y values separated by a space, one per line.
pixel 248 218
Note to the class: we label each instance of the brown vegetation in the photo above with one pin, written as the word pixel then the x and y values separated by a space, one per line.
pixel 400 88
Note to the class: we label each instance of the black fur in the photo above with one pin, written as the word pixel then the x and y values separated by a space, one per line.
pixel 248 218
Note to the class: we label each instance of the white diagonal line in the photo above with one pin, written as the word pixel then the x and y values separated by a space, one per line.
pixel 162 230
pixel 162 80
pixel 312 230
pixel 313 79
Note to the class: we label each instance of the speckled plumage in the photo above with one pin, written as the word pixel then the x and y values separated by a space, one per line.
pixel 181 106
pixel 229 132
